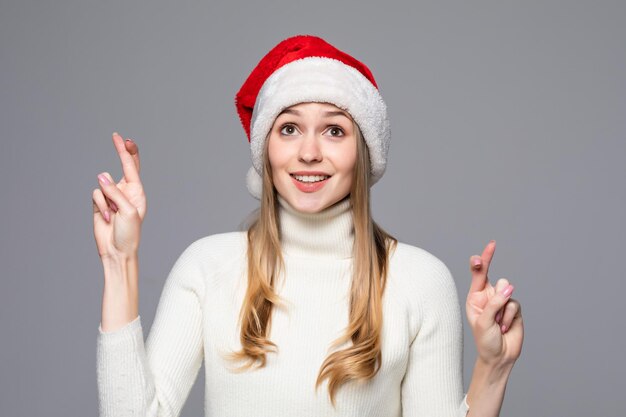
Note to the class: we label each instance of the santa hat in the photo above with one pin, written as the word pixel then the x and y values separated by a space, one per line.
pixel 306 68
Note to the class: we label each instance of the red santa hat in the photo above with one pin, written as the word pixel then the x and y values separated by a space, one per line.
pixel 306 68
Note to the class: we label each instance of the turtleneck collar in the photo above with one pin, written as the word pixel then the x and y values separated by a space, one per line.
pixel 326 234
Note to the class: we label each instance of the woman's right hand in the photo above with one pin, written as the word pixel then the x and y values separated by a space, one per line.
pixel 119 209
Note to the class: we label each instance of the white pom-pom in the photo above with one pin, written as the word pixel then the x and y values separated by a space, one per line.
pixel 254 182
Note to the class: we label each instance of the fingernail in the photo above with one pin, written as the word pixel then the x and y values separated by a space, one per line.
pixel 492 241
pixel 507 291
pixel 503 327
pixel 107 215
pixel 115 134
pixel 104 180
pixel 498 316
pixel 476 261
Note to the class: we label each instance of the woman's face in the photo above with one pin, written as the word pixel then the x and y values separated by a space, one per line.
pixel 312 151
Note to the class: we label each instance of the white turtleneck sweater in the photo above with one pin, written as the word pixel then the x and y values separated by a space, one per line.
pixel 197 319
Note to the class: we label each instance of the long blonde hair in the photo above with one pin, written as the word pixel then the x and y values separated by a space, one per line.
pixel 372 246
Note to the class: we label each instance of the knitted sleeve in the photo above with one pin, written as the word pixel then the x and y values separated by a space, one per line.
pixel 433 383
pixel 155 379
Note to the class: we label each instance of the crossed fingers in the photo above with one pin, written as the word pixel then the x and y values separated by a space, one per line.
pixel 129 157
pixel 479 266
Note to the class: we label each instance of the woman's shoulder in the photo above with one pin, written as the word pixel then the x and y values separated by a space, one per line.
pixel 219 247
pixel 414 266
pixel 416 256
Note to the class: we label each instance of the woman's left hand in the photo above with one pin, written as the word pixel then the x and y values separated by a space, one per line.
pixel 495 317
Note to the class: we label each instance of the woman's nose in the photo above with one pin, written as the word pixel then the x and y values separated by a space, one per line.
pixel 310 150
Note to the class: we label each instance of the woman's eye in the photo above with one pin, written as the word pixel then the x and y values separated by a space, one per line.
pixel 288 130
pixel 336 131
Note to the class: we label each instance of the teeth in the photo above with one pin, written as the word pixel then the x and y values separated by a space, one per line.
pixel 310 178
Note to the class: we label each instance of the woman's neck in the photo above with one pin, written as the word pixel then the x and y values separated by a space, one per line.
pixel 326 234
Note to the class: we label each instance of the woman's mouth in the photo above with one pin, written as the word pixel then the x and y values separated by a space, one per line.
pixel 309 183
pixel 310 178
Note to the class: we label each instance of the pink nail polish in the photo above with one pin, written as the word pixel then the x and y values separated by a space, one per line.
pixel 508 290
pixel 104 180
pixel 107 215
pixel 503 328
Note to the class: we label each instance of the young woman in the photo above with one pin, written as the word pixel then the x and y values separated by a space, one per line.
pixel 314 310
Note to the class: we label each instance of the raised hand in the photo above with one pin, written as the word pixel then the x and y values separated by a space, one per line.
pixel 119 209
pixel 495 317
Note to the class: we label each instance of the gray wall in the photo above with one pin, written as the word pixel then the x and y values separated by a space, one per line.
pixel 508 124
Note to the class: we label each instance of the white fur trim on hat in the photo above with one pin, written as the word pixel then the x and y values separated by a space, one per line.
pixel 320 79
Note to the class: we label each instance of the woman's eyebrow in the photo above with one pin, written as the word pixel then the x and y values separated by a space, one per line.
pixel 335 113
pixel 289 111
pixel 325 114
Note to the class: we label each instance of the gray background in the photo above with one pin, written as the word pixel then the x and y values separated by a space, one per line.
pixel 508 123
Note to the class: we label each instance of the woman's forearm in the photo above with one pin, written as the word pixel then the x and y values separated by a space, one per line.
pixel 486 390
pixel 120 298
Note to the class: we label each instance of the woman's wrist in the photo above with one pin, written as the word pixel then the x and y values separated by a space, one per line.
pixel 120 299
pixel 493 372
pixel 112 260
pixel 486 391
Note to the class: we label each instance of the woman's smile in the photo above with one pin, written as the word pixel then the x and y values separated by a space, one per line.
pixel 309 183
